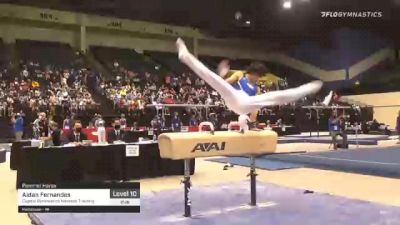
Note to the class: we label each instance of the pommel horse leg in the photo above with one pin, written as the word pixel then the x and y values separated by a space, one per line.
pixel 253 174
pixel 187 185
pixel 186 179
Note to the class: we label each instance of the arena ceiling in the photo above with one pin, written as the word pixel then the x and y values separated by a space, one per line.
pixel 261 19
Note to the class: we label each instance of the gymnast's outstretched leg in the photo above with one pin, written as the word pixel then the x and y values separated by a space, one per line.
pixel 219 84
pixel 286 96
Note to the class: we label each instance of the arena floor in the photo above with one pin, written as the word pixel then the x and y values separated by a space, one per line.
pixel 220 197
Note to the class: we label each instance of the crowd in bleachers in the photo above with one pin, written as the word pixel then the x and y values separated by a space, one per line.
pixel 134 92
pixel 31 87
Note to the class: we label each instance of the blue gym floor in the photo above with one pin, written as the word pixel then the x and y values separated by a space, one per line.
pixel 383 161
pixel 227 205
pixel 361 139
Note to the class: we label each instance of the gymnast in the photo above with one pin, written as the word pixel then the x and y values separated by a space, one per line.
pixel 243 99
pixel 245 81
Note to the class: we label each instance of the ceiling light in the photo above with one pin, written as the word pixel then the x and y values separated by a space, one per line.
pixel 238 15
pixel 287 4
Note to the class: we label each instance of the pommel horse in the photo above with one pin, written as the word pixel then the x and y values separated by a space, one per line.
pixel 187 146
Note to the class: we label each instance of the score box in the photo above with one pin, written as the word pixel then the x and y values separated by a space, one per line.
pixel 79 197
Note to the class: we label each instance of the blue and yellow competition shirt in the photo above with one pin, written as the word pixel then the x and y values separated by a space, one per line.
pixel 244 84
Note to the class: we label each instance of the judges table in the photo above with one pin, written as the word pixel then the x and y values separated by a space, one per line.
pixel 94 163
pixel 16 148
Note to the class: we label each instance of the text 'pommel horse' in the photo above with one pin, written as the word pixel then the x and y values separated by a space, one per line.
pixel 219 143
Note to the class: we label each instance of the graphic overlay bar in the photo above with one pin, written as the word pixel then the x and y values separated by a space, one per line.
pixel 79 197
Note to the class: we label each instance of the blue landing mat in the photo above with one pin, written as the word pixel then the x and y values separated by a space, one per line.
pixel 349 137
pixel 287 140
pixel 350 142
pixel 379 161
pixel 261 163
pixel 227 205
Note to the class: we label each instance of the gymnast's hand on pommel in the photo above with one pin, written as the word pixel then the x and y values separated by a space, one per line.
pixel 243 122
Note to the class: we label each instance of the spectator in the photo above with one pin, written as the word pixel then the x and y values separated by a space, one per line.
pixel 67 123
pixel 176 122
pixel 123 121
pixel 18 122
pixel 213 119
pixel 116 134
pixel 55 134
pixel 40 126
pixel 193 120
pixel 333 125
pixel 156 123
pixel 77 135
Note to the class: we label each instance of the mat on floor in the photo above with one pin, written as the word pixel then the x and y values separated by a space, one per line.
pixel 227 204
pixel 324 140
pixel 383 161
pixel 261 163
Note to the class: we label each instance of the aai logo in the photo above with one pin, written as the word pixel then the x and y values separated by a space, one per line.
pixel 209 146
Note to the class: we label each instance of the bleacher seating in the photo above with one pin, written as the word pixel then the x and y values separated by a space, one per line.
pixel 169 61
pixel 127 58
pixel 347 47
pixel 4 57
pixel 235 64
pixel 293 76
pixel 46 53
pixel 384 77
